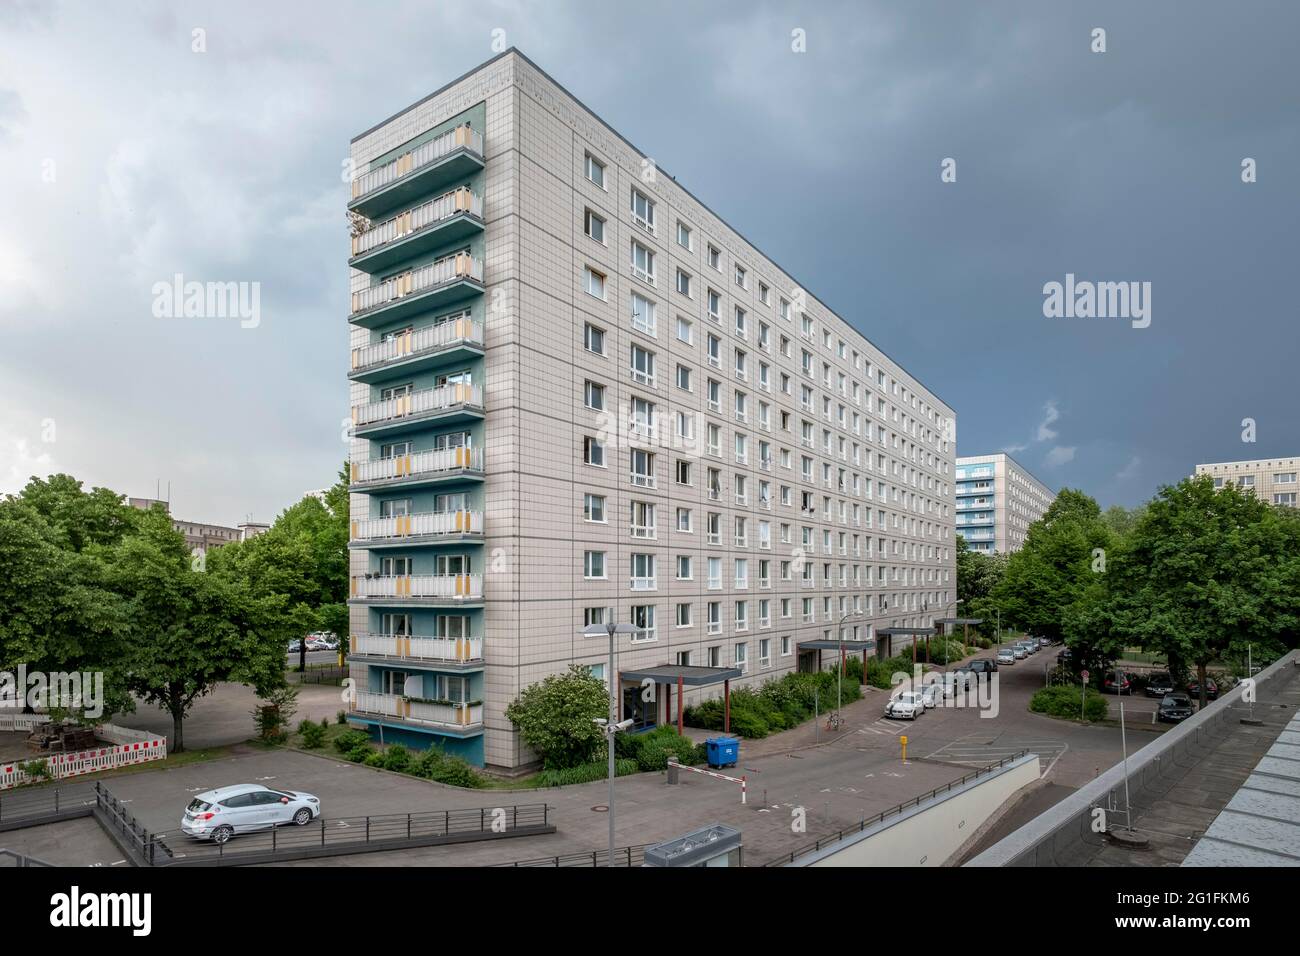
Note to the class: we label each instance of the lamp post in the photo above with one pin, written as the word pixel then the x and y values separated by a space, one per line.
pixel 611 725
pixel 953 605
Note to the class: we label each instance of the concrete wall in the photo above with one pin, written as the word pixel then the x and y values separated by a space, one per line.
pixel 930 833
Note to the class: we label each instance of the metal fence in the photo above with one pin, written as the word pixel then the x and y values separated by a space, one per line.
pixel 9 858
pixel 892 811
pixel 144 847
pixel 34 805
pixel 626 856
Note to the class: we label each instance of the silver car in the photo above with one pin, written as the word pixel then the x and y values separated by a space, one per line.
pixel 1007 655
pixel 219 814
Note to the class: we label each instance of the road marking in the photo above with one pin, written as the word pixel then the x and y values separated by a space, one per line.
pixel 981 752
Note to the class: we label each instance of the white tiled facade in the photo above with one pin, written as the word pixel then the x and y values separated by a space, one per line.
pixel 863 440
pixel 1273 480
pixel 997 500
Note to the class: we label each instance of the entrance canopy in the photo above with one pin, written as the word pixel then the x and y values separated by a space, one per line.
pixel 682 676
pixel 959 620
pixel 904 631
pixel 849 646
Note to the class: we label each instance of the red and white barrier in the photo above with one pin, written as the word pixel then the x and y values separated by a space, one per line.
pixel 122 747
pixel 743 781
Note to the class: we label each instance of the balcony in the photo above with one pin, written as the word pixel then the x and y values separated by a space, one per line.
pixel 447 404
pixel 423 590
pixel 417 470
pixel 443 282
pixel 433 527
pixel 452 217
pixel 417 350
pixel 454 155
pixel 453 717
pixel 454 652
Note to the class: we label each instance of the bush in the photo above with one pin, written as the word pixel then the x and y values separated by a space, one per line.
pixel 780 703
pixel 397 758
pixel 437 765
pixel 651 750
pixel 313 734
pixel 586 773
pixel 340 718
pixel 373 758
pixel 556 718
pixel 1064 702
pixel 350 740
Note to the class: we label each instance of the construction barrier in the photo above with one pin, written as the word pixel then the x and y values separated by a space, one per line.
pixel 122 747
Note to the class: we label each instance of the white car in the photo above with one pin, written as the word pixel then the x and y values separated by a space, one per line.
pixel 1006 655
pixel 219 814
pixel 907 704
pixel 932 694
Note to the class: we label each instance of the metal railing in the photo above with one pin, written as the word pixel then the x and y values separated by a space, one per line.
pixel 447 649
pixel 419 524
pixel 457 586
pixel 426 214
pixel 893 811
pixel 417 464
pixel 418 403
pixel 461 265
pixel 419 711
pixel 8 858
pixel 624 856
pixel 423 341
pixel 462 137
pixel 145 847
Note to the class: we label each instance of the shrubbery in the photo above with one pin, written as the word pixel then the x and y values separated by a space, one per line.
pixel 651 750
pixel 1064 702
pixel 313 734
pixel 586 772
pixel 778 705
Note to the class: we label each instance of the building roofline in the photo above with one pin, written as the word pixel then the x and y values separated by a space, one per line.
pixel 523 56
pixel 1245 461
pixel 973 459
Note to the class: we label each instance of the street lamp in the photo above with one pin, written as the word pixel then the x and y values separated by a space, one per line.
pixel 839 685
pixel 611 726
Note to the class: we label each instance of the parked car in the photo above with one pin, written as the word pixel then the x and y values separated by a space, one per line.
pixel 932 694
pixel 1211 688
pixel 1175 707
pixel 1007 655
pixel 1030 646
pixel 984 665
pixel 908 705
pixel 1116 682
pixel 1159 684
pixel 219 814
pixel 1044 641
pixel 1018 652
pixel 295 647
pixel 957 680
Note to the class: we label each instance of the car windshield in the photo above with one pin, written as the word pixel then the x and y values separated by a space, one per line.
pixel 1174 701
pixel 198 805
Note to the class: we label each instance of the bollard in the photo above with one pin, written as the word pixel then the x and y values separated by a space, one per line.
pixel 903 740
pixel 673 772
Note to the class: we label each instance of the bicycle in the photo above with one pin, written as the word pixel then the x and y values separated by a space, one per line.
pixel 833 722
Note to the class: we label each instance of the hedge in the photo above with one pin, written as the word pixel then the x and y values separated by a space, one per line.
pixel 1063 701
pixel 779 704
pixel 586 773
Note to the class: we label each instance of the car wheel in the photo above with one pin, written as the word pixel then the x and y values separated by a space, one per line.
pixel 302 817
pixel 222 834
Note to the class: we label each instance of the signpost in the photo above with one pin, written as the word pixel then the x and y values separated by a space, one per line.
pixel 1083 695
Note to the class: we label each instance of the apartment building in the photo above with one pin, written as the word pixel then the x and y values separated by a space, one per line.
pixel 997 500
pixel 1273 480
pixel 199 537
pixel 580 396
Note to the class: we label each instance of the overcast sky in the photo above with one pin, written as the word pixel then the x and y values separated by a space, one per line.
pixel 127 158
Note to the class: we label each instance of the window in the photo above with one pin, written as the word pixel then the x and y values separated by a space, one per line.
pixel 643 211
pixel 643 365
pixel 596 615
pixel 1285 498
pixel 685 571
pixel 1246 481
pixel 683 235
pixel 594 226
pixel 715 258
pixel 643 262
pixel 643 315
pixel 595 396
pixel 643 468
pixel 684 330
pixel 593 339
pixel 643 572
pixel 683 475
pixel 764 294
pixel 741 276
pixel 593 508
pixel 595 171
pixel 683 283
pixel 593 451
pixel 741 656
pixel 594 282
pixel 715 306
pixel 643 519
pixel 684 519
pixel 785 641
pixel 593 565
pixel 643 619
pixel 684 378
pixel 1284 478
pixel 684 616
pixel 765 652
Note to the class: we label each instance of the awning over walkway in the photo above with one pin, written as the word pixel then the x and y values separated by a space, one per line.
pixel 682 676
pixel 849 646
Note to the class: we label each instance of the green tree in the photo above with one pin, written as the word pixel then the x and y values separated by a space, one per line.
pixel 978 575
pixel 1202 573
pixel 556 717
pixel 189 630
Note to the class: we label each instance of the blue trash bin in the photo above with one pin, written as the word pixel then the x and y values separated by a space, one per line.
pixel 722 751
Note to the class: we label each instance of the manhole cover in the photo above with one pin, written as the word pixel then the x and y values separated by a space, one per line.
pixel 600 808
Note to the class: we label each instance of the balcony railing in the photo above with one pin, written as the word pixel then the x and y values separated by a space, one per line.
pixel 430 339
pixel 449 650
pixel 458 587
pixel 416 525
pixel 418 465
pixel 449 269
pixel 418 403
pixel 413 220
pixel 419 711
pixel 424 154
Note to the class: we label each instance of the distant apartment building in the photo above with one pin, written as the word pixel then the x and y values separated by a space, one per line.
pixel 997 500
pixel 1273 480
pixel 579 396
pixel 199 537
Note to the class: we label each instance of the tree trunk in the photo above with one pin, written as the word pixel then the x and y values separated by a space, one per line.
pixel 1200 676
pixel 302 656
pixel 178 739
